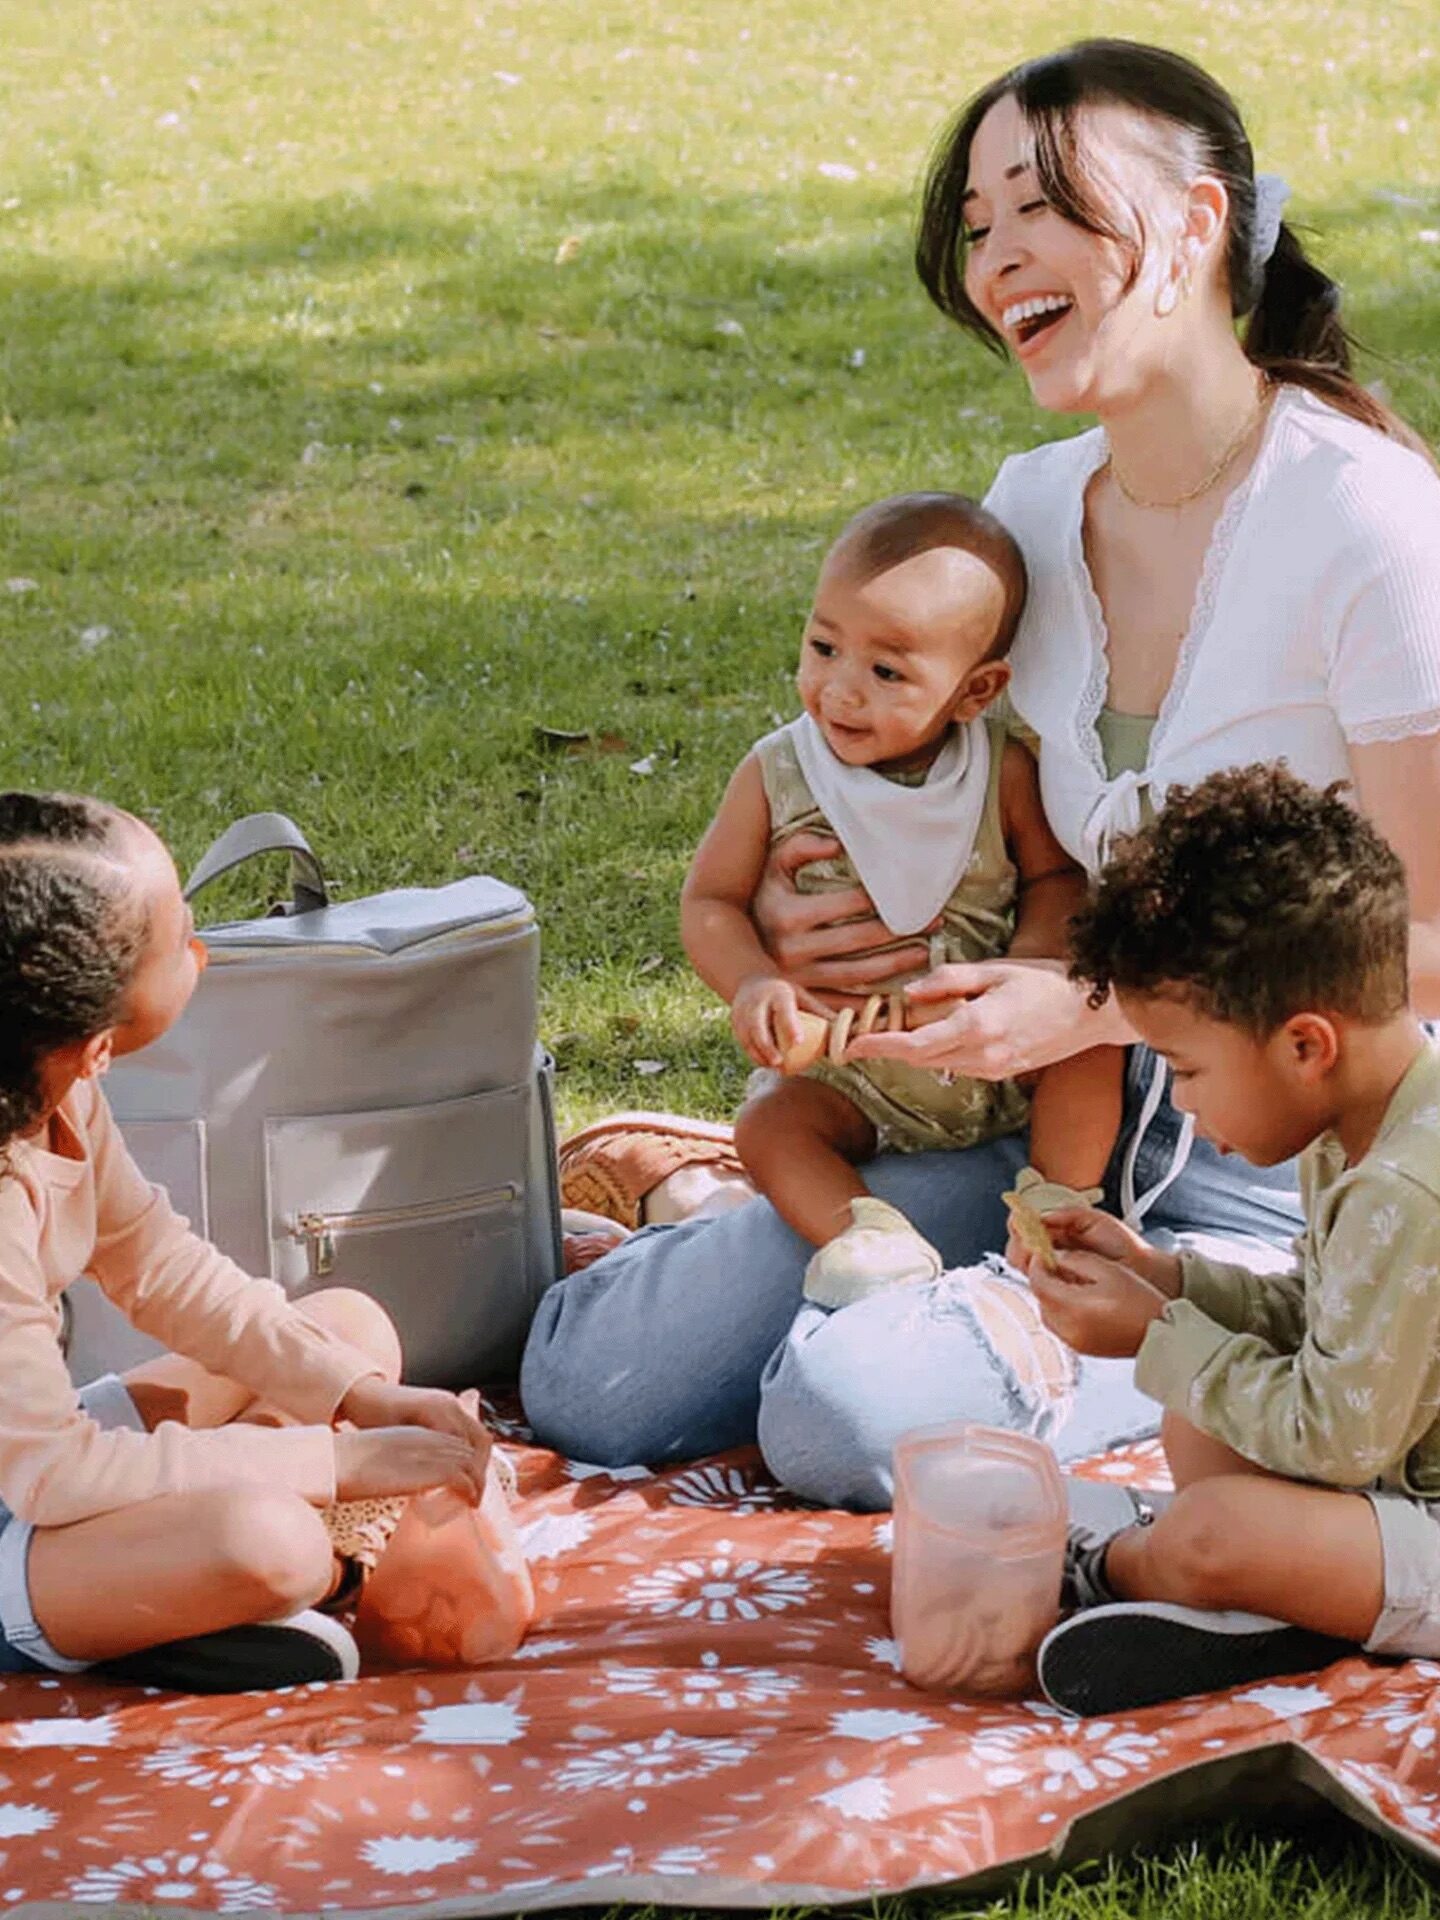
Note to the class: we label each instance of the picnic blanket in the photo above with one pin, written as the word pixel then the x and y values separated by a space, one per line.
pixel 708 1713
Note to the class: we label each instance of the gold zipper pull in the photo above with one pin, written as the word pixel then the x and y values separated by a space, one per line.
pixel 314 1230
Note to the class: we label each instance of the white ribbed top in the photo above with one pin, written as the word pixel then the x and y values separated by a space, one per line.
pixel 1316 623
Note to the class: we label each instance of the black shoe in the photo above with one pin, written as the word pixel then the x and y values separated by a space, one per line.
pixel 292 1652
pixel 1138 1653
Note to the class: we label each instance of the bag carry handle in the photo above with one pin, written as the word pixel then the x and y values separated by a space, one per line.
pixel 261 833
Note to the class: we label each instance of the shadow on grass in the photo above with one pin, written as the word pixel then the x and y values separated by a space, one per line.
pixel 331 514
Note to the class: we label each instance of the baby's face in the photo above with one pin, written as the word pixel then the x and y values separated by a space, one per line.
pixel 887 663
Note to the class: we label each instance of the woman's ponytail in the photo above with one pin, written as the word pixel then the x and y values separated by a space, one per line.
pixel 1294 332
pixel 1297 316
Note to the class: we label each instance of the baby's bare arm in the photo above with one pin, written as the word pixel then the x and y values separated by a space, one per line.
pixel 1051 885
pixel 1075 1113
pixel 715 922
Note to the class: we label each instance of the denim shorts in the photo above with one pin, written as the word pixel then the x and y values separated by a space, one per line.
pixel 1409 1621
pixel 23 1647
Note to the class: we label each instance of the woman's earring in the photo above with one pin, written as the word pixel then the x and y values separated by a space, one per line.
pixel 1174 290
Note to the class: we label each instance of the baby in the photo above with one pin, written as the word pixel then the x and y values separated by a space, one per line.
pixel 939 816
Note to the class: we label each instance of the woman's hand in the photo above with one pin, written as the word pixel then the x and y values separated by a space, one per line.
pixel 826 941
pixel 994 1019
pixel 374 1463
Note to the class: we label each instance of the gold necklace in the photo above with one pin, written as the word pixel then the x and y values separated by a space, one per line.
pixel 1221 466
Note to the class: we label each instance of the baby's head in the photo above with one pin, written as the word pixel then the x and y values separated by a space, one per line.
pixel 915 609
pixel 1251 932
pixel 98 953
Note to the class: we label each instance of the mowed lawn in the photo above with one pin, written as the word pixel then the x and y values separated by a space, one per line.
pixel 390 389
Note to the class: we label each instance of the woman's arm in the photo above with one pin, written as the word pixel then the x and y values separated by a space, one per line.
pixel 1397 783
pixel 1013 1015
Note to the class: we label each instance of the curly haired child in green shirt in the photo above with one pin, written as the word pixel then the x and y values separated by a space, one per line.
pixel 1256 934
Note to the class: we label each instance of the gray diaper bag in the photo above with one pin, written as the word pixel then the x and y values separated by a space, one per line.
pixel 355 1097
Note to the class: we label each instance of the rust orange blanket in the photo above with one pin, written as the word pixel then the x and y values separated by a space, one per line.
pixel 708 1713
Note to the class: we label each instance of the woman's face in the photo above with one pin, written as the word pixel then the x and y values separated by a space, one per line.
pixel 1057 295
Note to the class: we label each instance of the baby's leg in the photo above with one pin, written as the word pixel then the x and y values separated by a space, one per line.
pixel 173 1567
pixel 1235 1541
pixel 1075 1113
pixel 801 1143
pixel 173 1388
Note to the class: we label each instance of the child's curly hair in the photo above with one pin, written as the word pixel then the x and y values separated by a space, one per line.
pixel 1254 897
pixel 70 939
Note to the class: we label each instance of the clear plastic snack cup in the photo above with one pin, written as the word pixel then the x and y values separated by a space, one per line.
pixel 980 1524
pixel 452 1588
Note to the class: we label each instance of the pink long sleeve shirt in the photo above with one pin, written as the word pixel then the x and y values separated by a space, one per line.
pixel 72 1202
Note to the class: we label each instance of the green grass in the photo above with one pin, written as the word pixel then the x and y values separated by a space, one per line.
pixel 335 483
pixel 1237 1873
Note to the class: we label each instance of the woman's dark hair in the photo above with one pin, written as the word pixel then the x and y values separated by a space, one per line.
pixel 1253 897
pixel 70 938
pixel 1293 332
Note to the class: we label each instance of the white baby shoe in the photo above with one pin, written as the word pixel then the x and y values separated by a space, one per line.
pixel 1052 1196
pixel 879 1249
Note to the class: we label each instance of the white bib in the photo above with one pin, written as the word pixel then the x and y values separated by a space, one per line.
pixel 909 845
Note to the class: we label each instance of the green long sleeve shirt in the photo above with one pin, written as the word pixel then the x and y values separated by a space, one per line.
pixel 1330 1373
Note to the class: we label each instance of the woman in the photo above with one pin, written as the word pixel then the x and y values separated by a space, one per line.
pixel 1241 563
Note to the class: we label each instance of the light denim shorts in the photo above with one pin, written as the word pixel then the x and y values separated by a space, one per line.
pixel 1409 1621
pixel 23 1647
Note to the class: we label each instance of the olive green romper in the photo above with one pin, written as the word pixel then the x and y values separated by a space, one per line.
pixel 911 1108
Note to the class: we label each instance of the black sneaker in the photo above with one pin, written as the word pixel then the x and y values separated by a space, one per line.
pixel 291 1652
pixel 1138 1653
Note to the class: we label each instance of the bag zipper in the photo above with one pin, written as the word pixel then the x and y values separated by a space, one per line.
pixel 483 932
pixel 316 1231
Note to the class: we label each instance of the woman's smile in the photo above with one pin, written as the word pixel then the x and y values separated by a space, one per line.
pixel 1033 317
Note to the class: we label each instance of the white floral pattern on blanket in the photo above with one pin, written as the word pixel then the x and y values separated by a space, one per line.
pixel 708 1711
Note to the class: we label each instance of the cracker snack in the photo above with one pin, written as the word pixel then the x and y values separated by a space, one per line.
pixel 814 1032
pixel 1031 1230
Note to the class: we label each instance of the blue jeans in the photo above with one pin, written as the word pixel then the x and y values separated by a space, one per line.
pixel 691 1339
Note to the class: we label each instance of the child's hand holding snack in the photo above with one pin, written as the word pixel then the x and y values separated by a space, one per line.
pixel 1095 1305
pixel 1089 1230
pixel 409 1433
pixel 378 1462
pixel 765 1016
pixel 1099 1284
pixel 376 1402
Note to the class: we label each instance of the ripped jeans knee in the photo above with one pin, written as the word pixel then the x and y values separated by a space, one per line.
pixel 842 1387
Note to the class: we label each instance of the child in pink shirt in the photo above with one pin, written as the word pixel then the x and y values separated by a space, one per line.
pixel 168 1523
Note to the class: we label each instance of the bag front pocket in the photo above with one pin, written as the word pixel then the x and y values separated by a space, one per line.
pixel 420 1207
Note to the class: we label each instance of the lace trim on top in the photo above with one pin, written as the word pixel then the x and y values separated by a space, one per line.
pixel 1097 682
pixel 1202 608
pixel 1409 727
pixel 1217 554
